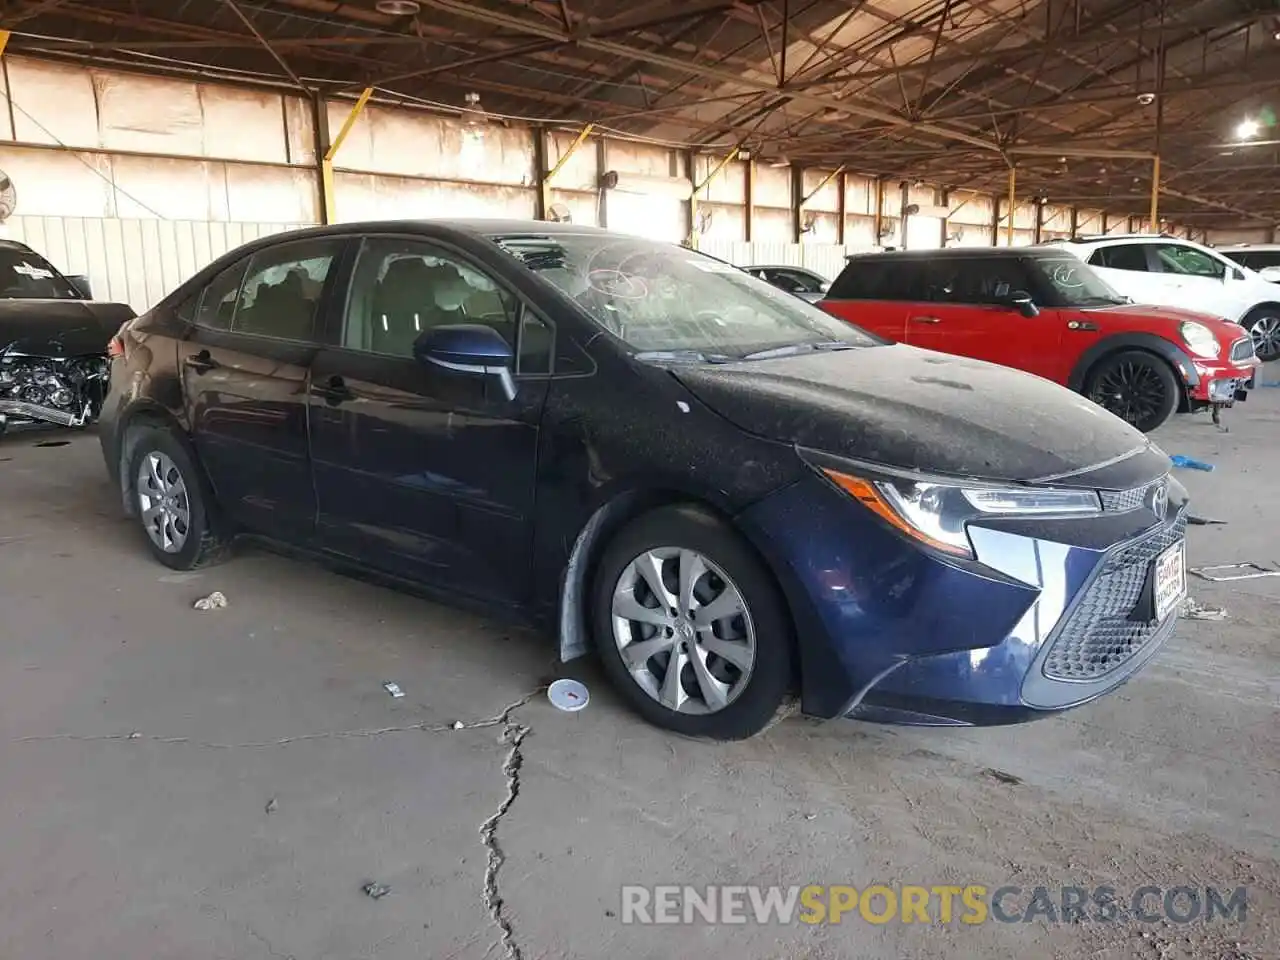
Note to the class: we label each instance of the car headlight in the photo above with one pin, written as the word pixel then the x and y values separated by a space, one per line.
pixel 1200 339
pixel 938 513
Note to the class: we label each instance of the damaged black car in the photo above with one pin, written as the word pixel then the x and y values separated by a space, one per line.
pixel 53 343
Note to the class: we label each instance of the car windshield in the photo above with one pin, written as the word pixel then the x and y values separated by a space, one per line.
pixel 672 303
pixel 1075 283
pixel 25 275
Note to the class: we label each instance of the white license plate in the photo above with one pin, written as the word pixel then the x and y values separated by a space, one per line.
pixel 1170 579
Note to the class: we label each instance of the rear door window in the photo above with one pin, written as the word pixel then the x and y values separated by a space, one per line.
pixel 978 280
pixel 1188 261
pixel 1123 256
pixel 281 294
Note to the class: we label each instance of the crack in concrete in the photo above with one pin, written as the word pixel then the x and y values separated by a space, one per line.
pixel 265 942
pixel 498 719
pixel 513 733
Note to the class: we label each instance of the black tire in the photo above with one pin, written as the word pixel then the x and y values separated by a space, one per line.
pixel 207 540
pixel 1263 325
pixel 1136 386
pixel 765 694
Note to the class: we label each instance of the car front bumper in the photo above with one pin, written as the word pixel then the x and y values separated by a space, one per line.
pixel 1223 382
pixel 1048 616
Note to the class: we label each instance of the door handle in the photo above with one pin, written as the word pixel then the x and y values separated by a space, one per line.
pixel 200 362
pixel 925 320
pixel 334 391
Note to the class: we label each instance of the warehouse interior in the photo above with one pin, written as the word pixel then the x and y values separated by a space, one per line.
pixel 284 757
pixel 144 137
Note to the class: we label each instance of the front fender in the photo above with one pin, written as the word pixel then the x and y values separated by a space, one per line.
pixel 1149 342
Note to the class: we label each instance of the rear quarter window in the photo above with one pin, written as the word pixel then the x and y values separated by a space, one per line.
pixel 872 279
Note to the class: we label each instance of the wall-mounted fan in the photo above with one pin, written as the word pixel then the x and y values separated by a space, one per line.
pixel 8 197
pixel 559 213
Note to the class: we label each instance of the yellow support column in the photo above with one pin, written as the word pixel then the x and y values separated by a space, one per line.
pixel 698 187
pixel 1155 193
pixel 326 162
pixel 544 187
pixel 1013 185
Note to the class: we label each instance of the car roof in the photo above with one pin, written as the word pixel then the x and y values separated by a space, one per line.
pixel 781 266
pixel 1247 247
pixel 953 253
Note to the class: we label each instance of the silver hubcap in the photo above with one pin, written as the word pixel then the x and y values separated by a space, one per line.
pixel 684 630
pixel 1266 337
pixel 163 502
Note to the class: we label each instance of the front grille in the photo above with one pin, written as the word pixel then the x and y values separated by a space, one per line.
pixel 1097 635
pixel 1121 501
pixel 1242 350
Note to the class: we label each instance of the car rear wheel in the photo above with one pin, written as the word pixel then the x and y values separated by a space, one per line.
pixel 1264 326
pixel 691 627
pixel 173 501
pixel 1137 387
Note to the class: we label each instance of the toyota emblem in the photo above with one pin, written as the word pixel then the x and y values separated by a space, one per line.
pixel 1160 500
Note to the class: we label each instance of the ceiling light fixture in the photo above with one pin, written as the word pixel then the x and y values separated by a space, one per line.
pixel 1248 129
pixel 398 8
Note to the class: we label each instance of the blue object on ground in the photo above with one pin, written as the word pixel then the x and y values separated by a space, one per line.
pixel 1190 464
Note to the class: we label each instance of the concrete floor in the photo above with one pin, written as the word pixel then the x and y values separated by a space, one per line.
pixel 143 743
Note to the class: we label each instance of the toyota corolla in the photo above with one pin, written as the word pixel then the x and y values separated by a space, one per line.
pixel 738 501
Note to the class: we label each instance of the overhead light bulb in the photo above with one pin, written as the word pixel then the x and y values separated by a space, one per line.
pixel 1248 129
pixel 476 117
pixel 398 8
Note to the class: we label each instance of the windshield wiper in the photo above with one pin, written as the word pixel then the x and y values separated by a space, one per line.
pixel 683 356
pixel 791 349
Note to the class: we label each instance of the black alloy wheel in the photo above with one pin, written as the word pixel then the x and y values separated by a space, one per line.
pixel 1136 386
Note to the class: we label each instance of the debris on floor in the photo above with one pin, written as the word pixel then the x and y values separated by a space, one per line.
pixel 393 689
pixel 1244 571
pixel 214 601
pixel 458 724
pixel 375 890
pixel 568 695
pixel 53 443
pixel 1196 521
pixel 1192 609
pixel 1000 776
pixel 1190 463
pixel 272 805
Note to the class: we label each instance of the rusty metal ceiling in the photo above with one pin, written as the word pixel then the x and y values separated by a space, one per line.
pixel 1076 93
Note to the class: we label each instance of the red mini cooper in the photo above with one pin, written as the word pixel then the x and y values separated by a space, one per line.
pixel 1047 313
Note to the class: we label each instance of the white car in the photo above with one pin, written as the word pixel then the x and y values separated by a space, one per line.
pixel 1167 271
pixel 805 284
pixel 1262 257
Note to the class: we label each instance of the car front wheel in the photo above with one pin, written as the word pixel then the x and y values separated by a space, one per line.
pixel 172 500
pixel 1264 327
pixel 1137 387
pixel 691 627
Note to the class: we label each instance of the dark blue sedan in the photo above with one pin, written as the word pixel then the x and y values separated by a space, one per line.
pixel 734 498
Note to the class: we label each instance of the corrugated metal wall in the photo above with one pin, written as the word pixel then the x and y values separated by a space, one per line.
pixel 133 261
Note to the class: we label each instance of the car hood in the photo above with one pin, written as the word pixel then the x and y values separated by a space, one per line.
pixel 57 328
pixel 1146 313
pixel 903 407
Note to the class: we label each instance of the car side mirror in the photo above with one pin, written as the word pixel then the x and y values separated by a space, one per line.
pixel 1021 301
pixel 470 349
pixel 80 284
pixel 1270 273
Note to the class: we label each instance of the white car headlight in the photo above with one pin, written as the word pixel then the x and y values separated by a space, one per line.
pixel 938 514
pixel 1200 339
